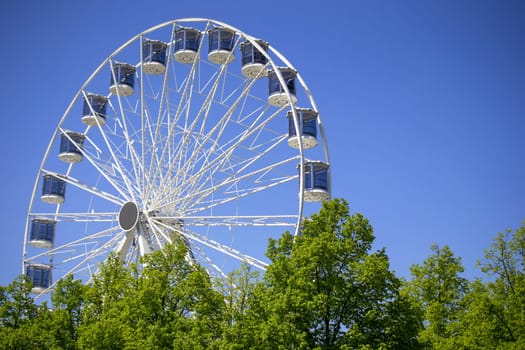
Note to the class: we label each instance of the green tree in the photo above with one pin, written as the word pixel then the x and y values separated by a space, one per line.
pixel 22 322
pixel 437 289
pixel 171 303
pixel 16 304
pixel 241 289
pixel 494 314
pixel 326 290
pixel 105 313
pixel 178 303
pixel 63 321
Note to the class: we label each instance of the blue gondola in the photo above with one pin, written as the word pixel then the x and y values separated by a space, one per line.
pixel 53 189
pixel 307 128
pixel 42 234
pixel 187 41
pixel 71 146
pixel 94 110
pixel 316 186
pixel 154 56
pixel 122 82
pixel 276 93
pixel 253 60
pixel 220 45
pixel 40 277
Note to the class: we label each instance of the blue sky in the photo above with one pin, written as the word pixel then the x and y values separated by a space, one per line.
pixel 423 103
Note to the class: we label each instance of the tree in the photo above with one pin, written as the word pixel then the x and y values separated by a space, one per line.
pixel 22 322
pixel 495 310
pixel 171 303
pixel 105 313
pixel 66 316
pixel 437 288
pixel 177 301
pixel 242 291
pixel 326 290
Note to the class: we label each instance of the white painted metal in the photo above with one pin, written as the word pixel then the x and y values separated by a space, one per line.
pixel 197 149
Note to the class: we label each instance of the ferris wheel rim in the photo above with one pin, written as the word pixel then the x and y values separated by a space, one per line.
pixel 153 220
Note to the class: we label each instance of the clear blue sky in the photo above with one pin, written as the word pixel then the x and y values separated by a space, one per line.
pixel 423 103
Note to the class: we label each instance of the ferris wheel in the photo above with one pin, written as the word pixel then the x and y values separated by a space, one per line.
pixel 191 130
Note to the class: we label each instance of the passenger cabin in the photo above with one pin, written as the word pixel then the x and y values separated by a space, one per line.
pixel 71 147
pixel 220 45
pixel 316 186
pixel 187 41
pixel 277 95
pixel 42 233
pixel 307 119
pixel 253 60
pixel 53 190
pixel 154 56
pixel 122 82
pixel 94 110
pixel 40 277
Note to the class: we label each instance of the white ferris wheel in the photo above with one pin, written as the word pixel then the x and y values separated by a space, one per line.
pixel 191 129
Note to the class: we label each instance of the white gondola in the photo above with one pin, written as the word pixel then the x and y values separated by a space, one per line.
pixel 53 190
pixel 220 45
pixel 253 60
pixel 40 277
pixel 42 234
pixel 187 41
pixel 307 128
pixel 154 56
pixel 277 96
pixel 71 147
pixel 316 186
pixel 94 110
pixel 122 79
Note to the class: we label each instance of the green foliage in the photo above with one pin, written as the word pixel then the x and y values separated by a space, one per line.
pixel 494 312
pixel 481 314
pixel 437 289
pixel 20 318
pixel 324 289
pixel 170 304
pixel 242 291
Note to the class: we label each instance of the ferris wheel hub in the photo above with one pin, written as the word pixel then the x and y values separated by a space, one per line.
pixel 129 216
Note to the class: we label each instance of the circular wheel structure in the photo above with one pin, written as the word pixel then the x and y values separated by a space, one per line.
pixel 192 130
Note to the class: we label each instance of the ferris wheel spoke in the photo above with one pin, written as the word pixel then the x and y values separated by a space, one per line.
pixel 229 221
pixel 199 120
pixel 258 176
pixel 116 163
pixel 159 232
pixel 77 217
pixel 208 262
pixel 89 259
pixel 101 169
pixel 217 164
pixel 163 113
pixel 205 139
pixel 93 190
pixel 194 236
pixel 194 198
pixel 75 245
pixel 121 118
pixel 237 167
pixel 182 109
pixel 236 196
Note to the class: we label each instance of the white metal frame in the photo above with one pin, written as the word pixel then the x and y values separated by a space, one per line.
pixel 167 149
